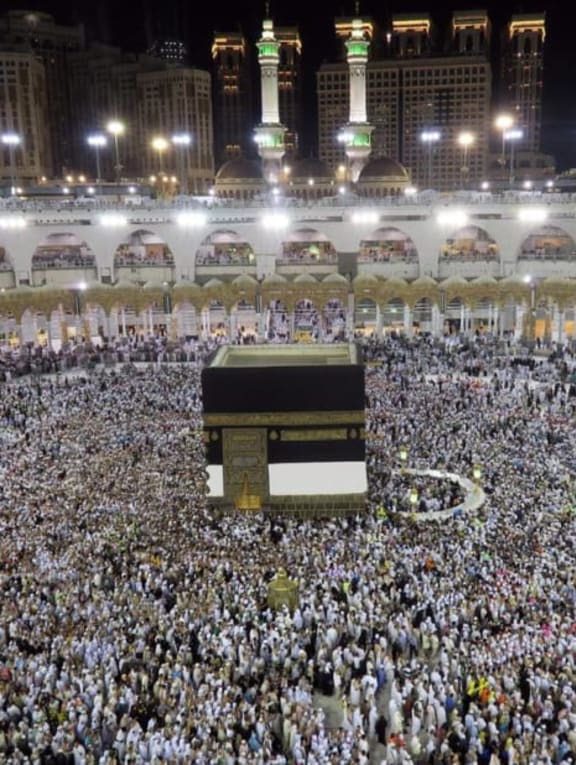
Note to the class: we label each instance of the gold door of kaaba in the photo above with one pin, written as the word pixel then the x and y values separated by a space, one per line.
pixel 245 452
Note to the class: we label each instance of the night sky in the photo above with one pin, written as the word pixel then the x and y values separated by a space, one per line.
pixel 132 24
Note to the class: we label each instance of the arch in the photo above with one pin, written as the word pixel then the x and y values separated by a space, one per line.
pixel 224 248
pixel 244 320
pixel 548 243
pixel 5 260
pixel 365 315
pixel 308 245
pixel 470 244
pixel 306 320
pixel 7 273
pixel 393 313
pixel 277 320
pixel 388 245
pixel 143 248
pixel 63 250
pixel 217 318
pixel 334 319
pixel 422 313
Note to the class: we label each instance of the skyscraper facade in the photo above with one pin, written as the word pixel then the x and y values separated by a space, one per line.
pixel 38 34
pixel 414 92
pixel 290 87
pixel 523 75
pixel 23 117
pixel 232 97
pixel 172 102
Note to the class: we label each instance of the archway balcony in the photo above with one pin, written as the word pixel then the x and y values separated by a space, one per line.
pixel 307 251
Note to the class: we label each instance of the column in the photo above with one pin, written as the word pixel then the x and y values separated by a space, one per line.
pixel 561 330
pixel 496 320
pixel 232 324
pixel 436 321
pixel 519 324
pixel 350 317
pixel 408 321
pixel 379 320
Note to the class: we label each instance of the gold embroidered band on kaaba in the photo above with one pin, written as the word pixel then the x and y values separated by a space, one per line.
pixel 283 419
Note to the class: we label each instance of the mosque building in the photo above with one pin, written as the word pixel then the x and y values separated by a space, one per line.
pixel 292 250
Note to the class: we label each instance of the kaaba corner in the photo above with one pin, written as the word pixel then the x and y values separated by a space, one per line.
pixel 284 428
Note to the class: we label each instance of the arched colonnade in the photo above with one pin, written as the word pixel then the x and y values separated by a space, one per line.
pixel 305 309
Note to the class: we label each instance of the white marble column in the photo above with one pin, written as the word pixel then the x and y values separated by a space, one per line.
pixel 561 331
pixel 408 328
pixel 379 320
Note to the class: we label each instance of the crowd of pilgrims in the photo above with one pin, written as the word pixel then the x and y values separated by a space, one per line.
pixel 134 621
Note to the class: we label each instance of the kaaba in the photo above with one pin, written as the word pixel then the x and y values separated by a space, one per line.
pixel 284 427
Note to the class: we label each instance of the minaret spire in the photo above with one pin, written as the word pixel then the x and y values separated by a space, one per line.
pixel 357 134
pixel 270 133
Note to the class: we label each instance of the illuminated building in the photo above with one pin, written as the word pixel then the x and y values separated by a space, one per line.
pixel 523 74
pixel 232 97
pixel 270 133
pixel 24 114
pixel 414 92
pixel 289 86
pixel 37 33
pixel 169 49
pixel 175 100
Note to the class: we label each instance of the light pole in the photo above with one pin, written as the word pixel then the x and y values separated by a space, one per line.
pixel 465 140
pixel 159 144
pixel 512 136
pixel 503 123
pixel 182 142
pixel 12 140
pixel 429 138
pixel 97 142
pixel 116 129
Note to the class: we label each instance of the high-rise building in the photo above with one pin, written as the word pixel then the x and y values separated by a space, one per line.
pixel 471 33
pixel 414 93
pixel 290 86
pixel 176 101
pixel 450 96
pixel 411 35
pixel 52 43
pixel 169 49
pixel 150 97
pixel 23 117
pixel 104 87
pixel 523 74
pixel 232 97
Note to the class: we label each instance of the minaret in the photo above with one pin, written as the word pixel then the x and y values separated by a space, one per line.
pixel 357 134
pixel 269 135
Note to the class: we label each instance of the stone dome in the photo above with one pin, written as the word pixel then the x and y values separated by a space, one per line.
pixel 240 170
pixel 303 169
pixel 383 168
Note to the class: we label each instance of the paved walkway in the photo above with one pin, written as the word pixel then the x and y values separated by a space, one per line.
pixel 475 496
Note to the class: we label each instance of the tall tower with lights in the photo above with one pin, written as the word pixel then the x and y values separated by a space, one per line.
pixel 356 135
pixel 270 133
pixel 523 75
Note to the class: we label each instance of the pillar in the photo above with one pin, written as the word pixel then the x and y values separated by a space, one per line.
pixel 436 321
pixel 497 331
pixel 408 321
pixel 350 323
pixel 379 320
pixel 561 331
